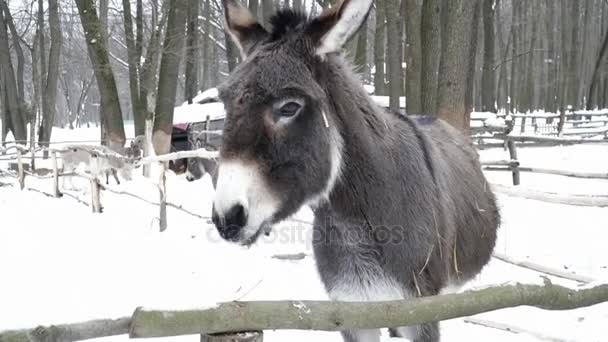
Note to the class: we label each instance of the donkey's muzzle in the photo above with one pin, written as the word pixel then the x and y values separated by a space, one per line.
pixel 229 224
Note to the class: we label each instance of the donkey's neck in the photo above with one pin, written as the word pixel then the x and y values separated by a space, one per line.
pixel 368 137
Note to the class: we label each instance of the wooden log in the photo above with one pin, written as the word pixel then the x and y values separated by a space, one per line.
pixel 336 316
pixel 55 192
pixel 69 332
pixel 551 197
pixel 543 269
pixel 509 163
pixel 513 156
pixel 575 174
pixel 20 172
pixel 162 188
pixel 554 140
pixel 247 336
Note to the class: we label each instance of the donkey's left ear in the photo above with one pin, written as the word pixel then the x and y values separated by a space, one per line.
pixel 335 26
pixel 244 29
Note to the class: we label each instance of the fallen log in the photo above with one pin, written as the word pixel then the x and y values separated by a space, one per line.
pixel 335 316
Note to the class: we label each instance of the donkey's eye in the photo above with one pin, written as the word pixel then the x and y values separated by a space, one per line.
pixel 289 109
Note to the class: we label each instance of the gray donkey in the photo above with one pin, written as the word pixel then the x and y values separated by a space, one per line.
pixel 402 209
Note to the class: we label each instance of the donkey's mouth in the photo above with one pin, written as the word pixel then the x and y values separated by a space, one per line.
pixel 265 228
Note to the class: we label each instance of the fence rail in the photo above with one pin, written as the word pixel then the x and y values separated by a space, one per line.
pixel 315 315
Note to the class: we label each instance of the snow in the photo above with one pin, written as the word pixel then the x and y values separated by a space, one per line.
pixel 61 263
pixel 198 112
pixel 209 94
pixel 383 101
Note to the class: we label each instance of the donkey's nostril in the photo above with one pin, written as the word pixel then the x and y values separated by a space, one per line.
pixel 236 216
pixel 231 223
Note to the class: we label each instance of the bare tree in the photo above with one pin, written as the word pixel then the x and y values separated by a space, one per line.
pixel 134 56
pixel 454 63
pixel 488 77
pixel 111 113
pixel 13 117
pixel 413 58
pixel 192 49
pixel 168 76
pixel 431 52
pixel 393 53
pixel 379 57
pixel 51 79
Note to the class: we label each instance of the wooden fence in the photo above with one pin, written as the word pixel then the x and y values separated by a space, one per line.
pixel 245 321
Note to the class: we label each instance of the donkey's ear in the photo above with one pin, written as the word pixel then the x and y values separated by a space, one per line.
pixel 244 29
pixel 335 26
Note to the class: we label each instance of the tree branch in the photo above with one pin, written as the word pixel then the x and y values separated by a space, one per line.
pixel 69 332
pixel 316 315
pixel 334 316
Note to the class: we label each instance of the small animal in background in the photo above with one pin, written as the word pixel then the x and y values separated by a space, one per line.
pixel 101 161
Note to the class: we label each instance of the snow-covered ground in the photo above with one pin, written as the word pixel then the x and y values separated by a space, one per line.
pixel 60 263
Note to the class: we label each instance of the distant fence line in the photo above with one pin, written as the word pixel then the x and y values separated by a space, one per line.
pixel 97 152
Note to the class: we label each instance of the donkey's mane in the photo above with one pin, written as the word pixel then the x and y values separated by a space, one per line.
pixel 286 20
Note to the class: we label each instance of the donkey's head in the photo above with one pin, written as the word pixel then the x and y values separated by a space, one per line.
pixel 281 148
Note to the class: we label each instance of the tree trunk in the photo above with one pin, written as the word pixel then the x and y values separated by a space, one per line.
pixel 602 59
pixel 147 81
pixel 488 93
pixel 551 91
pixel 361 53
pixel 139 116
pixel 14 119
pixel 502 88
pixel 472 60
pixel 168 76
pixel 206 79
pixel 18 51
pixel 413 58
pixel 192 50
pixel 98 54
pixel 379 43
pixel 454 63
pixel 574 69
pixel 529 92
pixel 431 52
pixel 393 52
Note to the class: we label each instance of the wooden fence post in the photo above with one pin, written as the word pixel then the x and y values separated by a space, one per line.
pixel 513 156
pixel 20 172
pixel 95 195
pixel 162 187
pixel 207 127
pixel 249 336
pixel 147 146
pixel 55 191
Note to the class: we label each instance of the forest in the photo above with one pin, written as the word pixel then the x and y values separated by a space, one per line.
pixel 74 63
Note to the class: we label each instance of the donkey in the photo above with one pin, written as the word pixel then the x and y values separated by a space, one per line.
pixel 401 207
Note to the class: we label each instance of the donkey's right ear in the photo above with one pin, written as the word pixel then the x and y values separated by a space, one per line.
pixel 244 29
pixel 337 25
